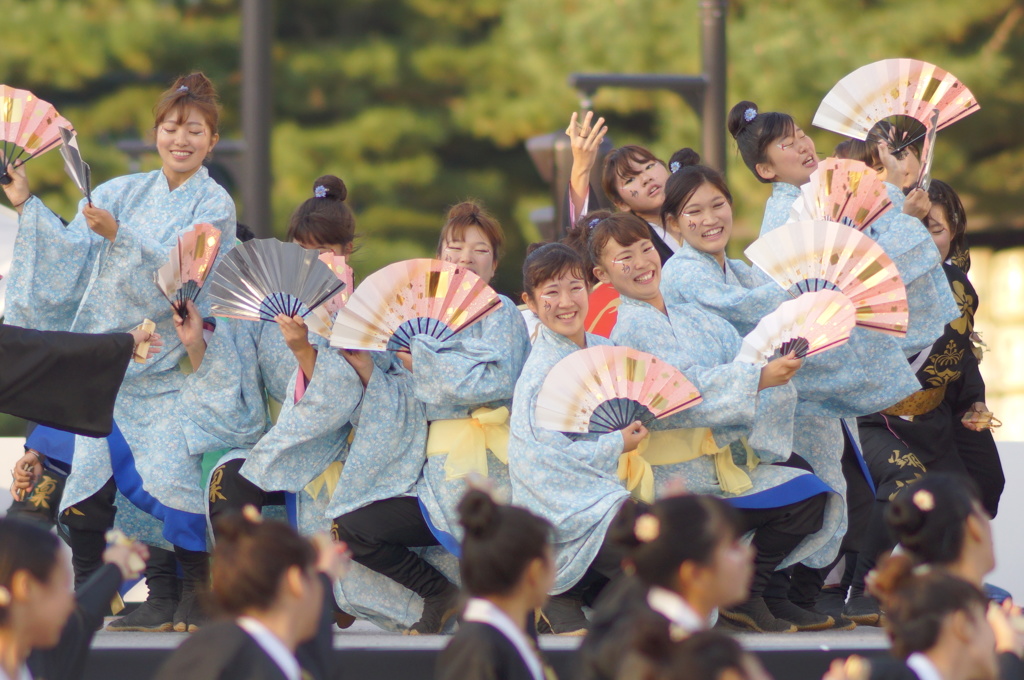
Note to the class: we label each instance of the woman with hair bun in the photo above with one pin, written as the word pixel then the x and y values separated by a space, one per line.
pixel 272 590
pixel 507 570
pixel 95 275
pixel 409 462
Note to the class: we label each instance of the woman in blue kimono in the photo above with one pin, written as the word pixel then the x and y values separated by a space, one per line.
pixel 95 275
pixel 440 412
pixel 749 410
pixel 571 481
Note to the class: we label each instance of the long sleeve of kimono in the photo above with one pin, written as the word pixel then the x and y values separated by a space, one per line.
pixel 65 380
pixel 467 370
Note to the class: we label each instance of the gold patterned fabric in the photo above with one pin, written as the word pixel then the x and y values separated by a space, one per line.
pixel 918 403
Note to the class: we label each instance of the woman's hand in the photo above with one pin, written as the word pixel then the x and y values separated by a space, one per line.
pixel 632 436
pixel 917 204
pixel 405 356
pixel 779 371
pixel 156 343
pixel 333 557
pixel 296 336
pixel 127 555
pixel 189 329
pixel 26 473
pixel 1001 619
pixel 901 172
pixel 979 418
pixel 17 191
pixel 100 221
pixel 361 361
pixel 585 139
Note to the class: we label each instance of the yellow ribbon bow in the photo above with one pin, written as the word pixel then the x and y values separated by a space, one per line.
pixel 668 447
pixel 466 441
pixel 328 479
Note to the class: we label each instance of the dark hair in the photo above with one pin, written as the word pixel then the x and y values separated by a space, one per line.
pixel 243 233
pixel 325 218
pixel 943 195
pixel 687 179
pixel 499 544
pixel 704 655
pixel 250 559
pixel 467 214
pixel 623 228
pixel 917 600
pixel 549 261
pixel 617 164
pixel 754 136
pixel 689 527
pixel 194 91
pixel 858 150
pixel 25 546
pixel 928 517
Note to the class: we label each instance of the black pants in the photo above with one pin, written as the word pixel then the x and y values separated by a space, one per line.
pixel 230 492
pixel 777 531
pixel 605 567
pixel 379 536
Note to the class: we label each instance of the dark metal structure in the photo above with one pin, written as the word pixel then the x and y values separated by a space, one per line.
pixel 257 114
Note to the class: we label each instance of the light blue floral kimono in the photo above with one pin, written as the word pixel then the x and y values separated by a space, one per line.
pixel 572 482
pixel 477 368
pixel 70 278
pixel 702 346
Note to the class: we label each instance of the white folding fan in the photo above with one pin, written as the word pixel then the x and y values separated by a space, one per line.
pixel 806 325
pixel 191 261
pixel 807 256
pixel 842 190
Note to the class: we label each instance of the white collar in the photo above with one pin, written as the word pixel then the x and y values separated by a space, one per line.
pixel 485 611
pixel 23 674
pixel 668 238
pixel 272 645
pixel 674 608
pixel 923 667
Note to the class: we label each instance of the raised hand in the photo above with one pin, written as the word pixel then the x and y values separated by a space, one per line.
pixel 779 371
pixel 585 139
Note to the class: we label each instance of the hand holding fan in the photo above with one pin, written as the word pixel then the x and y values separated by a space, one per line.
pixel 410 298
pixel 606 388
pixel 262 278
pixel 807 325
pixel 29 127
pixel 77 169
pixel 899 94
pixel 803 257
pixel 842 190
pixel 190 263
pixel 322 318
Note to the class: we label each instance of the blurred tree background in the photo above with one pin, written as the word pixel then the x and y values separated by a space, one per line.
pixel 418 104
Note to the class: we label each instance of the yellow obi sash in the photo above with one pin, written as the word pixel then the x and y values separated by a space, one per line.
pixel 466 441
pixel 328 479
pixel 918 403
pixel 668 447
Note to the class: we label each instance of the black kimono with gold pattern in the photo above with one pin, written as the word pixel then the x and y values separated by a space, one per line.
pixel 923 432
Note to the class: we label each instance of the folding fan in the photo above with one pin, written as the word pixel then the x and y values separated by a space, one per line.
pixel 606 388
pixel 77 169
pixel 322 318
pixel 815 255
pixel 892 91
pixel 842 190
pixel 29 127
pixel 409 298
pixel 924 179
pixel 190 263
pixel 262 278
pixel 807 325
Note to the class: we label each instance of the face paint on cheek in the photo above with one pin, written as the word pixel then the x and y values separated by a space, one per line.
pixel 547 306
pixel 693 225
pixel 634 194
pixel 625 268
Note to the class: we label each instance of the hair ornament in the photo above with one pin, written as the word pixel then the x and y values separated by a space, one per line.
pixel 674 167
pixel 252 514
pixel 593 223
pixel 5 596
pixel 924 500
pixel 183 88
pixel 647 528
pixel 320 191
pixel 750 114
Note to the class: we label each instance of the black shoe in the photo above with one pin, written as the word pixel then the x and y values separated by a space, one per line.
pixel 152 616
pixel 343 620
pixel 864 611
pixel 831 601
pixel 562 615
pixel 754 615
pixel 437 609
pixel 803 619
pixel 190 615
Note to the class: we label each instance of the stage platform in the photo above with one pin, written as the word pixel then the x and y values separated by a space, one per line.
pixel 364 652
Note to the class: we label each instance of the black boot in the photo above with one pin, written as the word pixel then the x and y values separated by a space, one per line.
pixel 803 619
pixel 156 614
pixel 191 614
pixel 563 615
pixel 437 609
pixel 754 615
pixel 87 549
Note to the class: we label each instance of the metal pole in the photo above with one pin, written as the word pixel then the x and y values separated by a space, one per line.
pixel 713 50
pixel 257 35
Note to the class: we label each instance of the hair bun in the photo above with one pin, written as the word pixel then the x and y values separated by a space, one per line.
pixel 740 117
pixel 197 85
pixel 683 158
pixel 478 514
pixel 466 210
pixel 332 187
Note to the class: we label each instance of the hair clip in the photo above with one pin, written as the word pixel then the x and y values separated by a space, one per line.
pixel 647 528
pixel 674 167
pixel 183 88
pixel 5 596
pixel 320 191
pixel 593 223
pixel 750 114
pixel 924 500
pixel 252 514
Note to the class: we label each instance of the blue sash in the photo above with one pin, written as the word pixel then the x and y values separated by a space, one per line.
pixel 795 490
pixel 446 540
